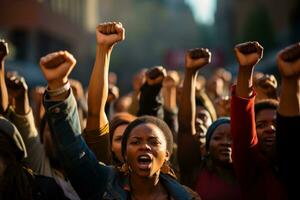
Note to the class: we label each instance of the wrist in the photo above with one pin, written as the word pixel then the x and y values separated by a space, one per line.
pixel 104 48
pixel 59 90
pixel 55 84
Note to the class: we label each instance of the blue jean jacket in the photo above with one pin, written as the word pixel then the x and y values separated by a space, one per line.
pixel 90 179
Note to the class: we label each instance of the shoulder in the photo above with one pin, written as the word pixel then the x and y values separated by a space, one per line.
pixel 177 190
pixel 47 188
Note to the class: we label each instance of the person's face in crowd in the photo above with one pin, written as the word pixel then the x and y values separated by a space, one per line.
pixel 266 129
pixel 203 115
pixel 146 150
pixel 116 146
pixel 220 144
pixel 203 121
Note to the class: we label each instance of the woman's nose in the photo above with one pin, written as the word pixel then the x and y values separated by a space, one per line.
pixel 145 146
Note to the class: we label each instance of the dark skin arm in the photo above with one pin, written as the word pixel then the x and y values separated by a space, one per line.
pixel 248 55
pixel 288 61
pixel 189 155
pixel 18 90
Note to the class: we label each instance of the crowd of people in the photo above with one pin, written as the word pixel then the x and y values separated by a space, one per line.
pixel 176 136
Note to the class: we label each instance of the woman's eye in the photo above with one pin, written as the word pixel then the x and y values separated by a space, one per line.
pixel 118 139
pixel 217 138
pixel 135 142
pixel 155 142
pixel 262 125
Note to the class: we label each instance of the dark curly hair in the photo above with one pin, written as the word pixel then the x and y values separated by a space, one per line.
pixel 152 120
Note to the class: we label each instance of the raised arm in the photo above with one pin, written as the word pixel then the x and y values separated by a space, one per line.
pixel 151 102
pixel 189 155
pixel 22 116
pixel 169 92
pixel 82 168
pixel 3 89
pixel 107 35
pixel 96 132
pixel 288 118
pixel 245 149
pixel 288 61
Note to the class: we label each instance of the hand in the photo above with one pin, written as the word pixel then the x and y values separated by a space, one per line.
pixel 57 76
pixel 108 34
pixel 113 93
pixel 156 75
pixel 222 105
pixel 16 86
pixel 248 54
pixel 267 82
pixel 197 58
pixel 172 79
pixel 288 61
pixel 3 50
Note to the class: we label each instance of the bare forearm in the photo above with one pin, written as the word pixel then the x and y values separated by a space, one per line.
pixel 187 107
pixel 244 82
pixel 22 104
pixel 290 97
pixel 169 95
pixel 3 90
pixel 98 90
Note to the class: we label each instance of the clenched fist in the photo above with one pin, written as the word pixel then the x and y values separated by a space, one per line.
pixel 197 58
pixel 57 75
pixel 248 54
pixel 108 34
pixel 288 61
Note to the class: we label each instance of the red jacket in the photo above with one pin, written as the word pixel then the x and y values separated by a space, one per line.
pixel 254 172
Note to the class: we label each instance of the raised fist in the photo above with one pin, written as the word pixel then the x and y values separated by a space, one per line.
pixel 57 75
pixel 110 33
pixel 156 75
pixel 171 80
pixel 197 58
pixel 3 50
pixel 248 54
pixel 113 93
pixel 16 85
pixel 288 61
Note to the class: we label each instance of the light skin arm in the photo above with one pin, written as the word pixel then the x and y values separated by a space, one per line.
pixel 288 61
pixel 248 55
pixel 3 89
pixel 57 76
pixel 107 36
pixel 169 90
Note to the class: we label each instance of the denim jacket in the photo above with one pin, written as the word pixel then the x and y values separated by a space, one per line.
pixel 90 179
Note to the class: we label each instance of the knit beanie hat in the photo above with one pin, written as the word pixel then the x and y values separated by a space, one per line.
pixel 211 129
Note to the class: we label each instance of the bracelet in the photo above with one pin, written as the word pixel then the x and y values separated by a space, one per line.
pixel 53 93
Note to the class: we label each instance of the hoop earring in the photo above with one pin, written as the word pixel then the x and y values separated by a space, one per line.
pixel 165 168
pixel 125 169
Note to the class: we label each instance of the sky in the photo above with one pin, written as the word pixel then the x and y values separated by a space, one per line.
pixel 203 10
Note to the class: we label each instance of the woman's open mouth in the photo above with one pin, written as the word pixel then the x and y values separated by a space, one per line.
pixel 144 162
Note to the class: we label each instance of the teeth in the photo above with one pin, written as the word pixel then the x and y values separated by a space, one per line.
pixel 144 157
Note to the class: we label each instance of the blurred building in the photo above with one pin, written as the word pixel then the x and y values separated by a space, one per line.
pixel 34 28
pixel 274 23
